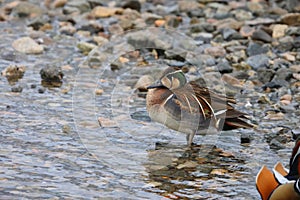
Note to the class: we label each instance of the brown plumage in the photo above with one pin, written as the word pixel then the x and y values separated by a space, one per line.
pixel 187 107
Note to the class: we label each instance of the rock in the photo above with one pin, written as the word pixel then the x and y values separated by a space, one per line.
pixel 265 75
pixel 103 12
pixel 51 74
pixel 285 44
pixel 81 6
pixel 99 91
pixel 295 68
pixel 293 5
pixel 107 123
pixel 283 75
pixel 142 39
pixel 275 144
pixel 255 48
pixel 231 80
pixel 27 45
pixel 272 85
pixel 279 30
pixel 288 56
pixel 224 67
pixel 291 19
pixel 173 21
pixel 85 47
pixel 242 15
pixel 14 71
pixel 246 31
pixel 216 51
pixel 261 35
pixel 186 6
pixel 255 7
pixel 187 164
pixel 229 23
pixel 26 9
pixel 258 61
pixel 39 22
pixel 59 3
pixel 132 4
pixel 17 89
pixel 229 34
pixel 100 40
pixel 41 90
pixel 292 30
pixel 91 26
pixel 245 138
pixel 296 42
pixel 286 99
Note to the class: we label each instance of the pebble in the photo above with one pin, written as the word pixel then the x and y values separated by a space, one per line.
pixel 246 31
pixel 27 45
pixel 17 89
pixel 85 47
pixel 41 90
pixel 215 51
pixel 26 9
pixel 279 30
pixel 107 123
pixel 224 67
pixel 292 19
pixel 103 12
pixel 231 80
pixel 255 48
pixel 258 61
pixel 99 91
pixel 51 74
pixel 261 35
pixel 132 4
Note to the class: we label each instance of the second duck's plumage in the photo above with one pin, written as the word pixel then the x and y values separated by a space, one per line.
pixel 188 108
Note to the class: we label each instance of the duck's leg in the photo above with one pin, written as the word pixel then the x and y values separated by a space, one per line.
pixel 189 139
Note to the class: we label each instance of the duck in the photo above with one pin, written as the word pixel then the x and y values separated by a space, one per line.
pixel 281 183
pixel 190 108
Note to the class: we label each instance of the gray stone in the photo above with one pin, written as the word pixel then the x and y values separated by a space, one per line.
pixel 261 35
pixel 256 48
pixel 258 61
pixel 265 75
pixel 229 34
pixel 224 67
pixel 51 74
pixel 17 89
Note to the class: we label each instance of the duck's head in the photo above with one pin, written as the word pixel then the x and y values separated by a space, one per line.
pixel 171 79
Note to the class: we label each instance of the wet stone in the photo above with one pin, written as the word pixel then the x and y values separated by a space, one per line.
pixel 41 90
pixel 17 89
pixel 27 45
pixel 51 74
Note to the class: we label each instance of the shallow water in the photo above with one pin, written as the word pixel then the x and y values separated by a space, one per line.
pixel 52 145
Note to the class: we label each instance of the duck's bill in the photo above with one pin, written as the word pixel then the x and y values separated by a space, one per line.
pixel 156 84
